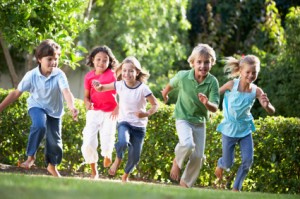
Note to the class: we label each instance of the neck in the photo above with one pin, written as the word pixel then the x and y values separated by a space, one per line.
pixel 244 87
pixel 44 73
pixel 199 78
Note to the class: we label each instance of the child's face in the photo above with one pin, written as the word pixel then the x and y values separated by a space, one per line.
pixel 202 65
pixel 249 73
pixel 129 73
pixel 48 63
pixel 101 62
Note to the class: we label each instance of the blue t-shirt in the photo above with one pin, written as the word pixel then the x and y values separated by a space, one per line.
pixel 45 92
pixel 238 120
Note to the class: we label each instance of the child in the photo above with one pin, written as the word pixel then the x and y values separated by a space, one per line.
pixel 47 85
pixel 237 125
pixel 101 109
pixel 198 94
pixel 133 117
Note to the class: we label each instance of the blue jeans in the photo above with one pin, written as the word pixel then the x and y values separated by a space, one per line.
pixel 227 159
pixel 45 126
pixel 130 137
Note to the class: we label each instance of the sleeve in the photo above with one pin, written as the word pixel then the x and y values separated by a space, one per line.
pixel 25 84
pixel 146 91
pixel 118 85
pixel 174 82
pixel 63 81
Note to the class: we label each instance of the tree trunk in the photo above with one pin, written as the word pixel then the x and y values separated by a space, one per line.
pixel 10 64
pixel 29 62
pixel 88 10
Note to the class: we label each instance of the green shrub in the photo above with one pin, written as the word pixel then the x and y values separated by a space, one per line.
pixel 276 165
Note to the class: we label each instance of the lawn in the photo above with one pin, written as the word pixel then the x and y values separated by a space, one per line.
pixel 23 186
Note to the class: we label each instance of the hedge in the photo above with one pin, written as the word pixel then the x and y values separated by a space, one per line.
pixel 276 167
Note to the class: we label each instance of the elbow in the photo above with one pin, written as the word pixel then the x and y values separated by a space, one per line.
pixel 156 107
pixel 272 111
pixel 214 109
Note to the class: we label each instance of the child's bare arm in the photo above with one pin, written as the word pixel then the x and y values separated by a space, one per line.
pixel 70 102
pixel 103 87
pixel 227 86
pixel 10 98
pixel 165 92
pixel 264 101
pixel 154 107
pixel 209 105
pixel 87 100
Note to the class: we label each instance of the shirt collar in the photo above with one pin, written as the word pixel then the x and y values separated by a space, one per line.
pixel 54 72
pixel 192 76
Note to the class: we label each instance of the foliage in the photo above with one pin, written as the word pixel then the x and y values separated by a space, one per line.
pixel 276 157
pixel 235 26
pixel 24 24
pixel 153 31
pixel 281 77
pixel 275 169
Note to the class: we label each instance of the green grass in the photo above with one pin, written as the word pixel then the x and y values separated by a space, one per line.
pixel 20 186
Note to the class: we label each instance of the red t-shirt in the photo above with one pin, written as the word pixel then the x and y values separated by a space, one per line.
pixel 104 101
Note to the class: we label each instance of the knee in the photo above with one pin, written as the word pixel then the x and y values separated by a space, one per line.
pixel 189 146
pixel 122 145
pixel 86 149
pixel 247 163
pixel 225 164
pixel 39 127
pixel 136 159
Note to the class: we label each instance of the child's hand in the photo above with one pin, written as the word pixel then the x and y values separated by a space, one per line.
pixel 165 96
pixel 89 105
pixel 114 115
pixel 75 114
pixel 202 98
pixel 141 114
pixel 96 84
pixel 264 100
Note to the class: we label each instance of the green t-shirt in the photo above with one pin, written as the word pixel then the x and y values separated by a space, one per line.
pixel 188 106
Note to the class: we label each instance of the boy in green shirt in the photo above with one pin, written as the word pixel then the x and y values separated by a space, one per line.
pixel 198 94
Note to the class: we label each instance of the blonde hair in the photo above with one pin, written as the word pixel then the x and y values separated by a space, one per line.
pixel 233 65
pixel 143 74
pixel 202 50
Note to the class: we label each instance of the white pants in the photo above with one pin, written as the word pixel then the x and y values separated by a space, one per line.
pixel 98 122
pixel 191 146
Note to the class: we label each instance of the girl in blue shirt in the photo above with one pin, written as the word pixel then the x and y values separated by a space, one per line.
pixel 47 85
pixel 237 125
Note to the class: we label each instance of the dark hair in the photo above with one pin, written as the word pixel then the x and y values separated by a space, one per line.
pixel 46 48
pixel 113 62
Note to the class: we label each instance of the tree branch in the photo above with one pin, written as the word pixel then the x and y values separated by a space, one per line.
pixel 12 71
